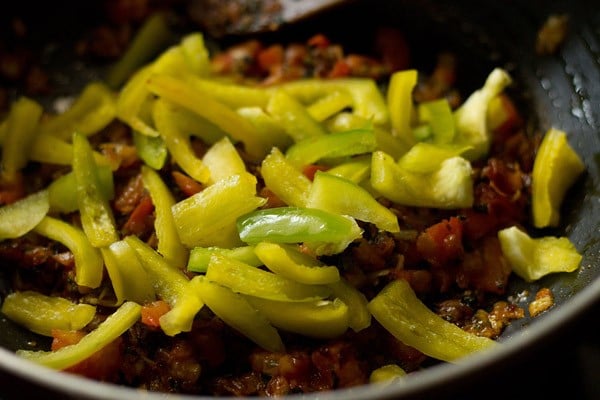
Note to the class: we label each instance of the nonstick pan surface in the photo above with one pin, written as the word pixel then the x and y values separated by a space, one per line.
pixel 560 90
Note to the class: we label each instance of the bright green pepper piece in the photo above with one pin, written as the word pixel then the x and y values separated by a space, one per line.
pixel 293 117
pixel 22 129
pixel 400 102
pixel 246 279
pixel 338 144
pixel 208 218
pixel 202 103
pixel 110 329
pixel 438 114
pixel 223 160
pixel 97 218
pixel 285 180
pixel 402 313
pixel 62 192
pixel 449 187
pixel 532 258
pixel 325 194
pixel 327 232
pixel 20 217
pixel 178 142
pixel 152 150
pixel 88 260
pixel 129 279
pixel 152 36
pixel 41 314
pixel 171 285
pixel 200 257
pixel 238 313
pixel 318 319
pixel 291 263
pixel 169 244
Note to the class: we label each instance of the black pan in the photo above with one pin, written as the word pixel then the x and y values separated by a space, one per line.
pixel 560 90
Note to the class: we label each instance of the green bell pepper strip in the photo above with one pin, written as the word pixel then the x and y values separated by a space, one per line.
pixel 110 329
pixel 329 105
pixel 169 244
pixel 328 233
pixel 152 36
pixel 97 218
pixel 471 117
pixel 291 263
pixel 129 279
pixel 438 114
pixel 269 130
pixel 198 126
pixel 208 218
pixel 202 103
pixel 93 110
pixel 285 180
pixel 333 145
pixel 246 279
pixel 223 160
pixel 425 158
pixel 89 266
pixel 49 149
pixel 171 285
pixel 20 217
pixel 232 95
pixel 341 196
pixel 317 319
pixel 135 100
pixel 239 314
pixel 449 187
pixel 532 258
pixel 41 314
pixel 360 317
pixel 293 117
pixel 386 374
pixel 404 315
pixel 22 129
pixel 356 170
pixel 200 257
pixel 62 192
pixel 400 103
pixel 367 100
pixel 178 142
pixel 152 150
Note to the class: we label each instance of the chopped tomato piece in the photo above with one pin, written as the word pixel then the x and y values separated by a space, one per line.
pixel 441 242
pixel 187 185
pixel 152 312
pixel 141 217
pixel 310 170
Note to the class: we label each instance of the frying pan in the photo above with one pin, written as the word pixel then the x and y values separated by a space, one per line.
pixel 560 90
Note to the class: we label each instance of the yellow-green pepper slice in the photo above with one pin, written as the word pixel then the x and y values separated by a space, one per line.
pixel 438 114
pixel 404 315
pixel 293 117
pixel 89 265
pixel 285 180
pixel 238 313
pixel 329 105
pixel 400 102
pixel 386 373
pixel 151 149
pixel 360 316
pixel 223 160
pixel 41 314
pixel 62 192
pixel 20 217
pixel 200 257
pixel 110 329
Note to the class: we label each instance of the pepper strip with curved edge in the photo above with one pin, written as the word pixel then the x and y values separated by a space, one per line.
pixel 437 114
pixel 318 319
pixel 235 310
pixel 200 257
pixel 400 103
pixel 324 232
pixel 97 218
pixel 291 263
pixel 329 105
pixel 169 244
pixel 424 158
pixel 93 110
pixel 89 265
pixel 246 279
pixel 404 315
pixel 360 317
pixel 223 160
pixel 151 149
pixel 20 217
pixel 287 182
pixel 171 285
pixel 62 192
pixel 356 201
pixel 293 117
pixel 22 128
pixel 110 329
pixel 42 314
pixel 127 275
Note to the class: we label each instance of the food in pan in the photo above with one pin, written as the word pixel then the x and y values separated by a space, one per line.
pixel 274 219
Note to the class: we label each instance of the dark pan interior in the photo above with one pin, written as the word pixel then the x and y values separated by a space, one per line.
pixel 560 90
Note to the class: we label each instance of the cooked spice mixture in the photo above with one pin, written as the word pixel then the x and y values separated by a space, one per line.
pixel 269 218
